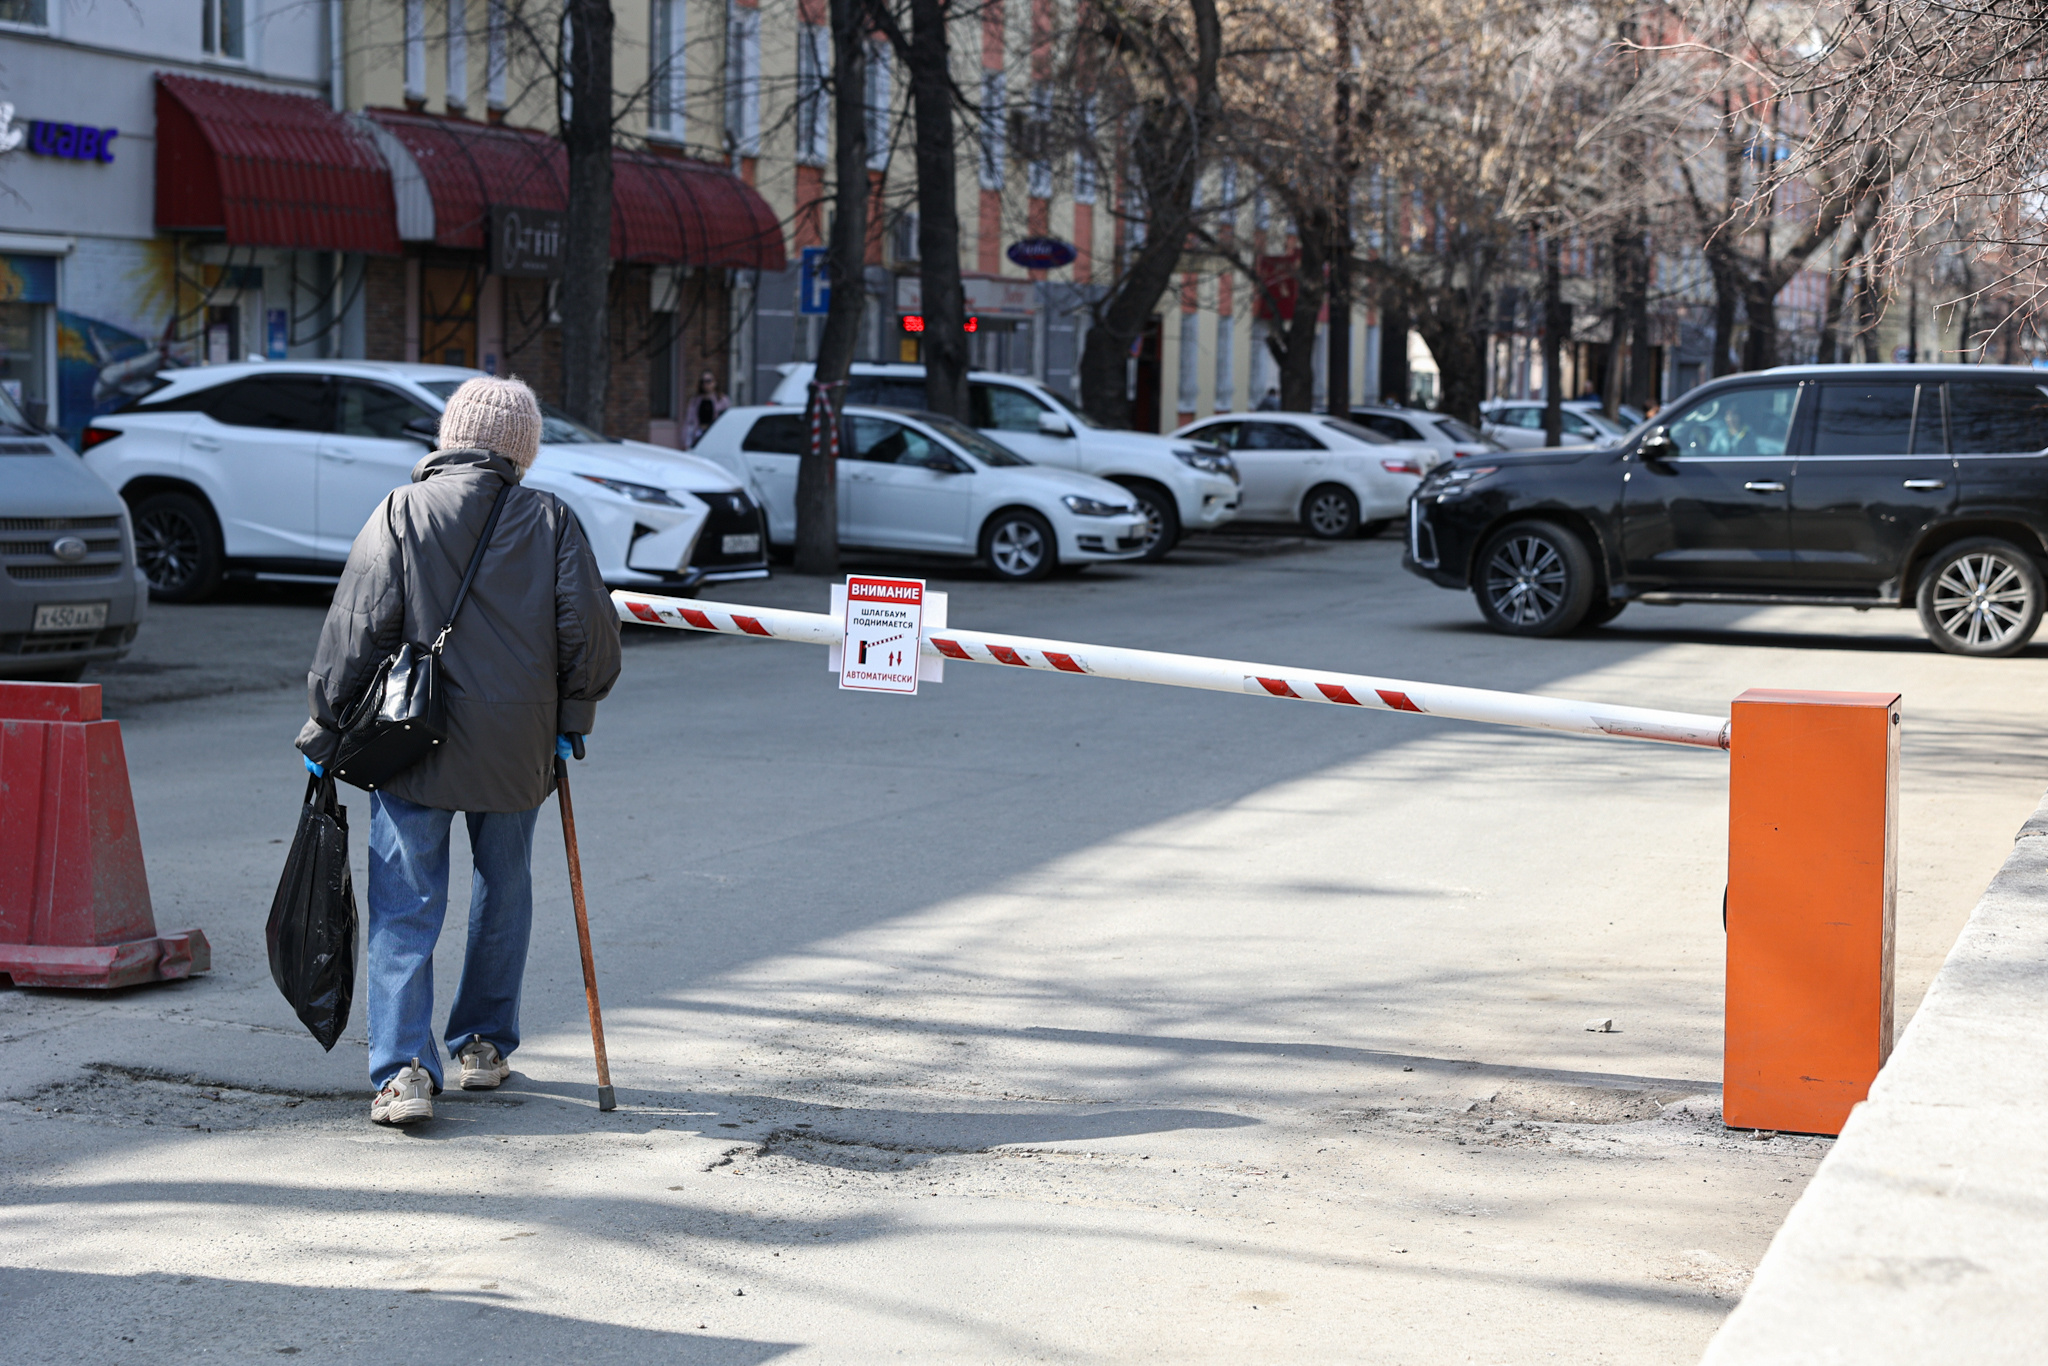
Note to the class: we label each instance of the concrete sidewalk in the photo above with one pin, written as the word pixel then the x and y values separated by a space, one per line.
pixel 1032 1019
pixel 1924 1236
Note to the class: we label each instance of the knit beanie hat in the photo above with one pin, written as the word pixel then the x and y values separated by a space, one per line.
pixel 497 415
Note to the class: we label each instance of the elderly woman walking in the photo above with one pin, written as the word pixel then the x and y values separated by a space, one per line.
pixel 534 648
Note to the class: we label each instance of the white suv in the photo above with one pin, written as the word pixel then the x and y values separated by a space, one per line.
pixel 1180 485
pixel 268 469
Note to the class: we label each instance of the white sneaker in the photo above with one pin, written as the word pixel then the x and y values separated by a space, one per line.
pixel 482 1067
pixel 407 1098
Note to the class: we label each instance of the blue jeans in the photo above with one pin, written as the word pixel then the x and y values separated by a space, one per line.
pixel 408 899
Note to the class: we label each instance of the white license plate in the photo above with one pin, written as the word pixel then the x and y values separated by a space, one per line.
pixel 71 616
pixel 741 545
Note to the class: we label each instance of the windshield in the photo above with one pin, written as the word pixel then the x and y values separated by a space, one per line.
pixel 971 441
pixel 12 416
pixel 1061 405
pixel 1356 432
pixel 1458 431
pixel 557 428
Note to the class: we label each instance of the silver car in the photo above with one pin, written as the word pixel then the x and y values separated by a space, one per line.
pixel 71 594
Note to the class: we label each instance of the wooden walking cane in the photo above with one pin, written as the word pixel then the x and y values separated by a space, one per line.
pixel 605 1099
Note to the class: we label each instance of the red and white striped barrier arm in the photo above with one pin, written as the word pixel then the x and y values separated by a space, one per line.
pixel 1194 671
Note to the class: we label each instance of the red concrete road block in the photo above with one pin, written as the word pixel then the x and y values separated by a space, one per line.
pixel 1813 801
pixel 74 900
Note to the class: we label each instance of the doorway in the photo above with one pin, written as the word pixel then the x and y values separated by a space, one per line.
pixel 448 330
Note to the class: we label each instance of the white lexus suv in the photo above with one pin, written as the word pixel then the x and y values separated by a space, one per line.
pixel 268 469
pixel 1180 485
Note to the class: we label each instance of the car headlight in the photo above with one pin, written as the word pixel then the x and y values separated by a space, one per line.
pixel 1095 507
pixel 1208 461
pixel 1455 481
pixel 639 493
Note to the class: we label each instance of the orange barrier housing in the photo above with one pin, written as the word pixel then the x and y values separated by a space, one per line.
pixel 1813 799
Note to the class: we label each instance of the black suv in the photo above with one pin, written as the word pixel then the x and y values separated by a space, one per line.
pixel 1844 485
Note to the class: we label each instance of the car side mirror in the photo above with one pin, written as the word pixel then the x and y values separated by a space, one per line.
pixel 1052 424
pixel 426 430
pixel 1657 445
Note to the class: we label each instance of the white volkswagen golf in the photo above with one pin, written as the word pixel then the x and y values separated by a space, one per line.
pixel 268 469
pixel 924 483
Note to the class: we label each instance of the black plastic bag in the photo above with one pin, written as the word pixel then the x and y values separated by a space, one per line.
pixel 312 929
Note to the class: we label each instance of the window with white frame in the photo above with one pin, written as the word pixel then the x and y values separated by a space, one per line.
pixel 665 56
pixel 1084 155
pixel 1038 175
pixel 494 54
pixel 222 32
pixel 813 115
pixel 881 128
pixel 994 142
pixel 415 49
pixel 743 80
pixel 458 54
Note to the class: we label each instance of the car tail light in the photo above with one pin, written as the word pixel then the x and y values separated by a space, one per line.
pixel 1402 467
pixel 95 435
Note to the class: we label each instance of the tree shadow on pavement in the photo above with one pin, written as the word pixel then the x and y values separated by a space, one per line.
pixel 83 1316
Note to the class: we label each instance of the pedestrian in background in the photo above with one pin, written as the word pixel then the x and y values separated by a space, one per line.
pixel 705 406
pixel 533 650
pixel 1271 402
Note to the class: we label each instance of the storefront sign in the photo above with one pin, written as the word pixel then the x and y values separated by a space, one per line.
pixel 71 141
pixel 529 243
pixel 985 294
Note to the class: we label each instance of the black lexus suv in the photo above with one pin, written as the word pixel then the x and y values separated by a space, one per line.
pixel 1842 485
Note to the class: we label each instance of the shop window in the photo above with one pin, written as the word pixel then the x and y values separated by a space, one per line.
pixel 661 366
pixel 223 330
pixel 24 356
pixel 222 33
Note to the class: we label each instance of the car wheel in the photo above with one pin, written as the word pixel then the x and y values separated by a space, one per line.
pixel 1534 579
pixel 1330 513
pixel 177 547
pixel 1981 597
pixel 1376 527
pixel 1018 545
pixel 1162 519
pixel 67 673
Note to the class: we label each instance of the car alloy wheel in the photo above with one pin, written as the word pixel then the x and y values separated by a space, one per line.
pixel 1535 579
pixel 1162 520
pixel 1330 513
pixel 1981 597
pixel 1019 545
pixel 176 547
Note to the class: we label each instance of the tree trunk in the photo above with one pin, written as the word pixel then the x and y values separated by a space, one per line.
pixel 817 477
pixel 1337 381
pixel 944 343
pixel 1457 340
pixel 1556 322
pixel 1637 308
pixel 1167 150
pixel 1727 291
pixel 1394 325
pixel 1294 342
pixel 586 272
pixel 1760 303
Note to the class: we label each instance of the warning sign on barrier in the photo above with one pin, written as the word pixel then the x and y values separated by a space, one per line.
pixel 884 618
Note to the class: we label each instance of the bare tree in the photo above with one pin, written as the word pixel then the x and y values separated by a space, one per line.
pixel 586 77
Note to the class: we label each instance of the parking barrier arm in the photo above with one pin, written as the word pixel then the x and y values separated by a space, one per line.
pixel 1195 671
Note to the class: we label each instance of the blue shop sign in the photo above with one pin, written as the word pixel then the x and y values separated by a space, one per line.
pixel 72 141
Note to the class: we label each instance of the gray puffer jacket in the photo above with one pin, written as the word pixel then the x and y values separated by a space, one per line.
pixel 534 650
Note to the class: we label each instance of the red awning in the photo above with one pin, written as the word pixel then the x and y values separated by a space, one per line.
pixel 268 170
pixel 665 210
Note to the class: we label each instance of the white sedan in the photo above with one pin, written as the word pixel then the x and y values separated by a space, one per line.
pixel 924 483
pixel 269 469
pixel 1334 477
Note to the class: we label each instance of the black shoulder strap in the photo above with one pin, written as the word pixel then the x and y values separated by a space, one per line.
pixel 476 560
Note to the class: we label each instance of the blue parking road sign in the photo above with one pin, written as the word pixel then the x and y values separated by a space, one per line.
pixel 814 294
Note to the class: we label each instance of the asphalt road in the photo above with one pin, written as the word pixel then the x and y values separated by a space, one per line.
pixel 1034 1018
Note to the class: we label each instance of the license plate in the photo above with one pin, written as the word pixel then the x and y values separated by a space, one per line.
pixel 749 544
pixel 71 616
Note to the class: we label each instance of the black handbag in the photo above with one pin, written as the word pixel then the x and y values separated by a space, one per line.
pixel 311 933
pixel 403 713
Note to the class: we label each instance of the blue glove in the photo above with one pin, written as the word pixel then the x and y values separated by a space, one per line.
pixel 568 747
pixel 315 769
